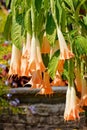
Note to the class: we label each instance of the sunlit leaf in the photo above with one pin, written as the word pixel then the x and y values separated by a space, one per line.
pixel 50 29
pixel 53 63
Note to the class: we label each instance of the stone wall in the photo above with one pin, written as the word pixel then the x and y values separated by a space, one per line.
pixel 40 117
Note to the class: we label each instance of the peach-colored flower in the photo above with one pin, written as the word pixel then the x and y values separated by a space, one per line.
pixel 25 57
pixel 57 80
pixel 35 61
pixel 15 61
pixel 60 67
pixel 36 79
pixel 65 53
pixel 45 45
pixel 72 109
pixel 45 86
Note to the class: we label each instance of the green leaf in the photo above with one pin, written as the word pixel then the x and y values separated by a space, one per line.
pixel 46 5
pixel 58 11
pixel 50 29
pixel 63 21
pixel 53 63
pixel 40 22
pixel 85 20
pixel 45 58
pixel 7 28
pixel 7 2
pixel 38 4
pixel 28 4
pixel 80 46
pixel 27 22
pixel 69 4
pixel 17 30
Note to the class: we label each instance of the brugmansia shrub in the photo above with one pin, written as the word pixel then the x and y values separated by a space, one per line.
pixel 50 43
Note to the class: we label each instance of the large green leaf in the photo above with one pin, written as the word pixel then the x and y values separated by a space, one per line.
pixel 28 3
pixel 53 63
pixel 38 4
pixel 58 12
pixel 7 28
pixel 17 30
pixel 46 5
pixel 40 22
pixel 27 22
pixel 80 46
pixel 50 29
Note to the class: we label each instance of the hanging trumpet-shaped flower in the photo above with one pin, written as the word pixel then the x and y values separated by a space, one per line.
pixel 35 61
pixel 15 61
pixel 65 53
pixel 72 109
pixel 67 105
pixel 36 79
pixel 45 86
pixel 25 57
pixel 58 80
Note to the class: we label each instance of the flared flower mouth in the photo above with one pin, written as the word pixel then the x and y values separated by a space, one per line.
pixel 72 108
pixel 45 86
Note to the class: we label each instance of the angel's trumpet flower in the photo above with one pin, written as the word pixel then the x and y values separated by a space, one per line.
pixel 65 53
pixel 35 61
pixel 67 105
pixel 36 79
pixel 72 109
pixel 25 57
pixel 45 86
pixel 58 80
pixel 15 61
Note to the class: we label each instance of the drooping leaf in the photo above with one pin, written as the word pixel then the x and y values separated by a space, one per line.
pixel 58 12
pixel 17 30
pixel 46 5
pixel 27 22
pixel 50 29
pixel 80 46
pixel 38 4
pixel 28 4
pixel 53 63
pixel 40 22
pixel 45 58
pixel 7 28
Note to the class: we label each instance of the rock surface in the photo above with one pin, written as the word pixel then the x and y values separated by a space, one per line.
pixel 40 117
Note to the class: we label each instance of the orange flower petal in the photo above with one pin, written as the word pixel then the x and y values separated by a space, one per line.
pixel 45 46
pixel 45 86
